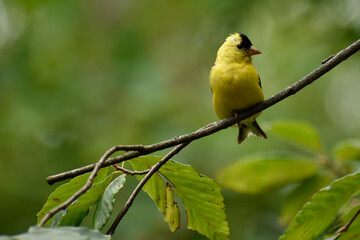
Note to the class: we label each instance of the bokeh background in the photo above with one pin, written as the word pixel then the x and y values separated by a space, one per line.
pixel 77 77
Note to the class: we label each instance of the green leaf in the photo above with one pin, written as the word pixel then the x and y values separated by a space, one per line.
pixel 80 208
pixel 202 200
pixel 172 213
pixel 334 237
pixel 353 232
pixel 200 195
pixel 105 206
pixel 351 208
pixel 154 187
pixel 60 233
pixel 321 211
pixel 65 191
pixel 348 150
pixel 302 194
pixel 299 133
pixel 254 175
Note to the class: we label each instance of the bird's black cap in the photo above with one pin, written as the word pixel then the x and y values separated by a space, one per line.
pixel 245 43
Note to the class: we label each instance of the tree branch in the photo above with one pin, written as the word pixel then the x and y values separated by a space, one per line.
pixel 86 187
pixel 139 150
pixel 132 197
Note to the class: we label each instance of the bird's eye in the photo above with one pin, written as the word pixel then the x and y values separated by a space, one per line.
pixel 239 46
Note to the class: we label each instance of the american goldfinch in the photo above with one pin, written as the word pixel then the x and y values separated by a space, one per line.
pixel 236 85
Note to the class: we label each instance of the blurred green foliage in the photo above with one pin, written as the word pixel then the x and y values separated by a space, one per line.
pixel 299 176
pixel 77 77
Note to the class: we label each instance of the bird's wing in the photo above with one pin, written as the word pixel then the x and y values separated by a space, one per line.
pixel 260 82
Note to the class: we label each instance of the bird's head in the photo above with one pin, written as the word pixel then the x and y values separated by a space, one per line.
pixel 236 48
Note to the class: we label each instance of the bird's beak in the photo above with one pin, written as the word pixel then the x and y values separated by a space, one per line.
pixel 253 51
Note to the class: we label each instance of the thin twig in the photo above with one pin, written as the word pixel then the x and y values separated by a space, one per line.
pixel 132 197
pixel 348 224
pixel 86 187
pixel 127 171
pixel 140 150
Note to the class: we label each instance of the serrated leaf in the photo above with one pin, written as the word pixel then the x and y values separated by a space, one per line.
pixel 80 208
pixel 302 194
pixel 105 206
pixel 263 174
pixel 202 200
pixel 61 233
pixel 200 195
pixel 299 133
pixel 172 213
pixel 322 209
pixel 348 150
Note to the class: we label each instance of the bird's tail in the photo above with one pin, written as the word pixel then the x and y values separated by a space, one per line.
pixel 249 128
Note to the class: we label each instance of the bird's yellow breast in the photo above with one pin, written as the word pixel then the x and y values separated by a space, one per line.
pixel 235 87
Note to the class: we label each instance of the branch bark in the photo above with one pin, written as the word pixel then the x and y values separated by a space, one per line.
pixel 139 150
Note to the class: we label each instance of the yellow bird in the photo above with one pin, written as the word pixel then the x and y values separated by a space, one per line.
pixel 235 84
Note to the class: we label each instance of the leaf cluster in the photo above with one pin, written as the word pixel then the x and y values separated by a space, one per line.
pixel 322 196
pixel 315 198
pixel 200 196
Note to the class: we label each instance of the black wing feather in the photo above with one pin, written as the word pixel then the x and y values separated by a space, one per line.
pixel 260 82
